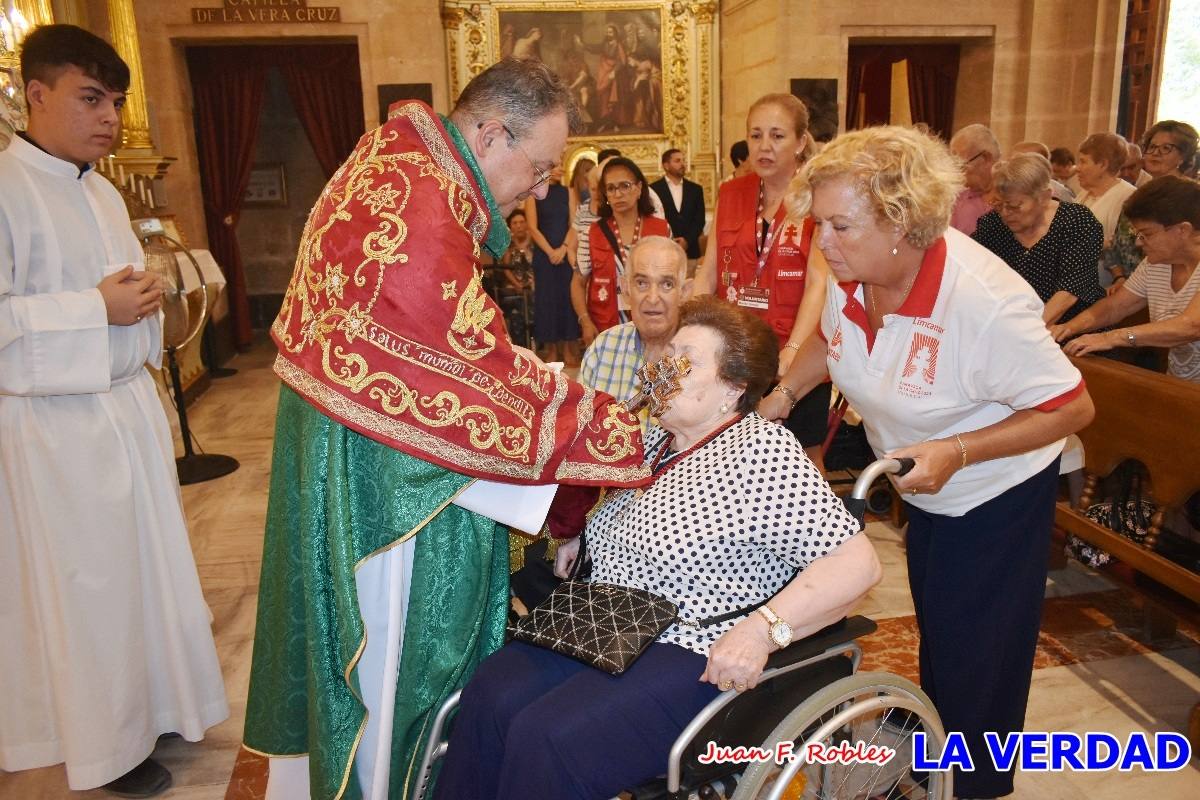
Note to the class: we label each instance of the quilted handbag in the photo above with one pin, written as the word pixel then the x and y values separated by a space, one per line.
pixel 599 624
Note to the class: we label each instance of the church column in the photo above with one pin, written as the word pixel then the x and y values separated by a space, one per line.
pixel 135 134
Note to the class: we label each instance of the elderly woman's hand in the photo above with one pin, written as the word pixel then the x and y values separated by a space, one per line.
pixel 936 461
pixel 564 557
pixel 736 660
pixel 1090 343
pixel 1060 332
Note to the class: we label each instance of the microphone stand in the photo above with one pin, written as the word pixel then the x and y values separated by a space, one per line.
pixel 193 467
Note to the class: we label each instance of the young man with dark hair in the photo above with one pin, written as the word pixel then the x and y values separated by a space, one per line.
pixel 112 644
pixel 683 203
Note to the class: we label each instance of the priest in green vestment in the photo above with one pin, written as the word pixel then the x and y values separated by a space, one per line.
pixel 400 388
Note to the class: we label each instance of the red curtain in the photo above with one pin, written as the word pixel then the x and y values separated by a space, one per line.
pixel 326 89
pixel 931 82
pixel 932 77
pixel 227 91
pixel 227 86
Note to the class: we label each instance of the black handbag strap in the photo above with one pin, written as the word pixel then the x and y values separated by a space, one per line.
pixel 737 612
pixel 578 571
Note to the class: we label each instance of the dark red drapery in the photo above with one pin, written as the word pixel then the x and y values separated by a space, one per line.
pixel 326 89
pixel 932 77
pixel 931 83
pixel 227 86
pixel 227 90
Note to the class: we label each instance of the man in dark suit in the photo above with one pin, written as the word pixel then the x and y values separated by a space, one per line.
pixel 683 202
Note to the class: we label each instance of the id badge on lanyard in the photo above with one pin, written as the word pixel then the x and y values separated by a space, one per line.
pixel 756 297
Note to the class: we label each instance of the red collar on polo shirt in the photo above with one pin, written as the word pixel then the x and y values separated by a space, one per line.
pixel 921 298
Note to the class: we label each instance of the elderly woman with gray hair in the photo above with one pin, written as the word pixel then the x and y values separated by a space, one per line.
pixel 1054 246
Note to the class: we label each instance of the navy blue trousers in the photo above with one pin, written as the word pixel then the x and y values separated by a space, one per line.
pixel 533 723
pixel 977 583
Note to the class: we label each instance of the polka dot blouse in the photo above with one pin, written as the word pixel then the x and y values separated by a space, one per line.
pixel 1063 260
pixel 722 529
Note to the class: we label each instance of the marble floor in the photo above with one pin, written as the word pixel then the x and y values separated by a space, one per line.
pixel 1096 669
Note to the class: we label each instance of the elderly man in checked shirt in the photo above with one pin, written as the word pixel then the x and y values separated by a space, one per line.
pixel 656 284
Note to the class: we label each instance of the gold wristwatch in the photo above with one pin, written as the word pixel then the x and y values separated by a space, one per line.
pixel 779 631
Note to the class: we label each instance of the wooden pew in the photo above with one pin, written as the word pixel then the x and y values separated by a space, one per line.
pixel 1154 419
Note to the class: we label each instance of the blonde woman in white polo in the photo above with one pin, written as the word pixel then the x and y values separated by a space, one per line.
pixel 942 350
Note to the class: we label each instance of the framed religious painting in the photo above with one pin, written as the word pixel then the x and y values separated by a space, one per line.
pixel 611 59
pixel 643 73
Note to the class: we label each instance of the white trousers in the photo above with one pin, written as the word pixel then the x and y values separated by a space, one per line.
pixel 382 584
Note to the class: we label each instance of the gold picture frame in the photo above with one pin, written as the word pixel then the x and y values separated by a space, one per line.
pixel 682 55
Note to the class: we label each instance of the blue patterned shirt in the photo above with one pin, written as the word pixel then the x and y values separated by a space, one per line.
pixel 611 364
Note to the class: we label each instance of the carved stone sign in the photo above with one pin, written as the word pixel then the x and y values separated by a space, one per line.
pixel 267 11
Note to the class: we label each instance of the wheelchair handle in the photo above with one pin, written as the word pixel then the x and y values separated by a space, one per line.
pixel 856 503
pixel 884 466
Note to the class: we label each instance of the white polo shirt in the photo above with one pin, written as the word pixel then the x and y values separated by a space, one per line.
pixel 966 349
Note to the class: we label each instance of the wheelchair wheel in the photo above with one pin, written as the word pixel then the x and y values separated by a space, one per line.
pixel 872 707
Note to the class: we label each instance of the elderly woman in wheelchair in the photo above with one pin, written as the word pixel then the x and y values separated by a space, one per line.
pixel 737 525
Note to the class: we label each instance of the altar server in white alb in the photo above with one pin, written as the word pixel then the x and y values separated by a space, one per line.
pixel 107 638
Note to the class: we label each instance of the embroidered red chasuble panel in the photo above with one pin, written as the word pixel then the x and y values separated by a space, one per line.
pixel 386 328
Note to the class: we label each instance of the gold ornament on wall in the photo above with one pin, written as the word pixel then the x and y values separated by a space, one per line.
pixel 15 25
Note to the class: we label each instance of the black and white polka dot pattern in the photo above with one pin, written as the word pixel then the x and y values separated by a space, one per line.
pixel 1062 260
pixel 723 529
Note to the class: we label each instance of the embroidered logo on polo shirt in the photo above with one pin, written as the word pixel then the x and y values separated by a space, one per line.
pixel 793 234
pixel 834 350
pixel 789 247
pixel 920 367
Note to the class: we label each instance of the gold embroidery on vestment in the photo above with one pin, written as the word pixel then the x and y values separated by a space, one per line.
pixel 468 333
pixel 620 443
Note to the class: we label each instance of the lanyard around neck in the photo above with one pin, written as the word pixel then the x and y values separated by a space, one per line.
pixel 764 243
pixel 622 253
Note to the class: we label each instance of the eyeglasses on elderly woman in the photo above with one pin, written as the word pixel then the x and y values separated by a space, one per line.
pixel 1162 149
pixel 1002 207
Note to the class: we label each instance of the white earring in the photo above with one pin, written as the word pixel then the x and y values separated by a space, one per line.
pixel 724 408
pixel 895 251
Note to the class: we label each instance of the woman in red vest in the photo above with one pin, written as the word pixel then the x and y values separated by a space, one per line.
pixel 757 257
pixel 626 215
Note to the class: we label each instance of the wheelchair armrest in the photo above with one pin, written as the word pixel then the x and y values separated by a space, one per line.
pixel 843 631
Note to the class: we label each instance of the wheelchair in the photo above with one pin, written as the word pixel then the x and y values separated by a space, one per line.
pixel 810 693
